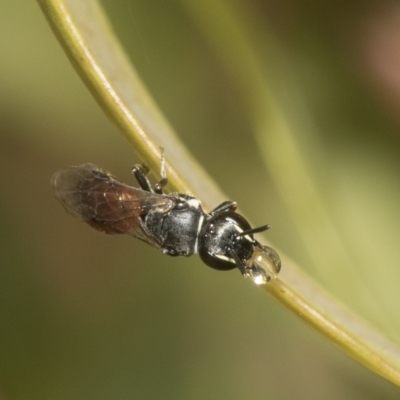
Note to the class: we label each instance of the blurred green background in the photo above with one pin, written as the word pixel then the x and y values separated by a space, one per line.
pixel 88 316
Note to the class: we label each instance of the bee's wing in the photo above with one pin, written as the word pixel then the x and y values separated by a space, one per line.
pixel 94 196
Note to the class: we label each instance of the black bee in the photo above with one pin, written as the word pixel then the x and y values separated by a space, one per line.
pixel 174 223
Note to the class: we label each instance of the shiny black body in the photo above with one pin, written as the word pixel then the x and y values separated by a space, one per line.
pixel 174 223
pixel 219 238
pixel 176 231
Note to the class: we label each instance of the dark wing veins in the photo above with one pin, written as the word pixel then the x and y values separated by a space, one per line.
pixel 94 196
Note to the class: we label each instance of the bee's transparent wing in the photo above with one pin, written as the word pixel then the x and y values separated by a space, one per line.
pixel 94 196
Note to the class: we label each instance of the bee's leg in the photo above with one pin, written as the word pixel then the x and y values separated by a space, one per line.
pixel 158 187
pixel 225 206
pixel 140 172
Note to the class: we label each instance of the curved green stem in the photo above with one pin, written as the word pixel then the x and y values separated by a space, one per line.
pixel 93 49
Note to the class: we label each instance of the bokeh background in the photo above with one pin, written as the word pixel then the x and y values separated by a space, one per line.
pixel 87 316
